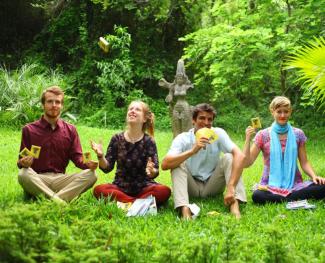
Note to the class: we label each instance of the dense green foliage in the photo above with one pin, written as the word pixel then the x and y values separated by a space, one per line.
pixel 90 231
pixel 234 52
pixel 140 58
pixel 239 53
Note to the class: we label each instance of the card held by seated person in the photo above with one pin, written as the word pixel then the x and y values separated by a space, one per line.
pixel 207 133
pixel 25 152
pixel 35 151
pixel 86 157
pixel 256 123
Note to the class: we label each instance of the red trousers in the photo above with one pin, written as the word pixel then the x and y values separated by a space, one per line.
pixel 159 191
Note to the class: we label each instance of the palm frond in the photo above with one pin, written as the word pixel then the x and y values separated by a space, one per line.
pixel 309 60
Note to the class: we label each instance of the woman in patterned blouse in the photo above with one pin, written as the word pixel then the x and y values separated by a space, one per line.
pixel 281 145
pixel 135 154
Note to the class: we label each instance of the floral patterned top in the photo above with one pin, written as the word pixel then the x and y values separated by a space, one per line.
pixel 262 141
pixel 131 162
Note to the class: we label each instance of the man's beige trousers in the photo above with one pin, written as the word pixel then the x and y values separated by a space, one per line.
pixel 184 185
pixel 64 186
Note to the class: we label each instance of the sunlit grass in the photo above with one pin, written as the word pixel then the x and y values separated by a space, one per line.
pixel 88 230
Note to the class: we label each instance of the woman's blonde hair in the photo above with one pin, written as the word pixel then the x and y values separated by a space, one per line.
pixel 279 101
pixel 148 126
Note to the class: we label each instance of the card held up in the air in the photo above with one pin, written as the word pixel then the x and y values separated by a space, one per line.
pixel 103 44
pixel 256 123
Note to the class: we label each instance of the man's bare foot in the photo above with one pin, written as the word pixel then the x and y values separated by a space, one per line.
pixel 186 213
pixel 234 209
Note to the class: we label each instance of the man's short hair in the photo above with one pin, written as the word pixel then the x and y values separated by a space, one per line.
pixel 53 89
pixel 203 107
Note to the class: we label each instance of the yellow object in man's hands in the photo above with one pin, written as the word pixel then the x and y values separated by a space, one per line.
pixel 256 123
pixel 207 133
pixel 35 151
pixel 25 152
pixel 103 44
pixel 86 157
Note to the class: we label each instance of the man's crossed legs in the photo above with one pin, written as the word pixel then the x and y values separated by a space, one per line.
pixel 184 186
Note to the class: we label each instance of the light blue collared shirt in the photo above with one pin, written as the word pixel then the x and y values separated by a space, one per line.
pixel 203 163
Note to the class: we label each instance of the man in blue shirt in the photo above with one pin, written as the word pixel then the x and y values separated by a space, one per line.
pixel 199 170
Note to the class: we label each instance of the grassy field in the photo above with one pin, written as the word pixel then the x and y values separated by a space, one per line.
pixel 88 230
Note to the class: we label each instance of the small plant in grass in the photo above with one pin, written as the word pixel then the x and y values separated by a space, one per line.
pixel 277 247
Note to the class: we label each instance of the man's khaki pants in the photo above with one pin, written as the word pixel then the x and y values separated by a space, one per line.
pixel 64 186
pixel 184 185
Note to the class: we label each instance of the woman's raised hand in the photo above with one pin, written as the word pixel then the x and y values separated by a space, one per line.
pixel 249 132
pixel 97 147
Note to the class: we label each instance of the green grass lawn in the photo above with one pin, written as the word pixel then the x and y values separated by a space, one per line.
pixel 88 230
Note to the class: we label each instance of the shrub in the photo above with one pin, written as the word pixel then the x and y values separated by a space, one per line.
pixel 21 90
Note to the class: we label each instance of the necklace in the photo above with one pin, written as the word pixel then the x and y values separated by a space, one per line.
pixel 133 139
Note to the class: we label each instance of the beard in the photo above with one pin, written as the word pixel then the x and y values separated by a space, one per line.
pixel 52 114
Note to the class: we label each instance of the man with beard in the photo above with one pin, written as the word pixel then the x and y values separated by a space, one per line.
pixel 58 142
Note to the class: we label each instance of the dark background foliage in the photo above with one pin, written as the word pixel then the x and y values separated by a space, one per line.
pixel 233 50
